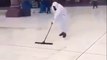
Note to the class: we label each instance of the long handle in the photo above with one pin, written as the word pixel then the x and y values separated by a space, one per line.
pixel 48 32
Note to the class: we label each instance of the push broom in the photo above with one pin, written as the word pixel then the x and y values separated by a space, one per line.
pixel 44 41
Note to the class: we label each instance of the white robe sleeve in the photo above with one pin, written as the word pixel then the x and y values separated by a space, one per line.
pixel 57 13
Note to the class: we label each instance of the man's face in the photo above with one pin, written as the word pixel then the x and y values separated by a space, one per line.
pixel 54 8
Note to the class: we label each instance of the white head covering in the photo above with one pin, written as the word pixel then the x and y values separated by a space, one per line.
pixel 55 4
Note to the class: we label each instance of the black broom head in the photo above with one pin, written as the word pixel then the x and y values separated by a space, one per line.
pixel 44 43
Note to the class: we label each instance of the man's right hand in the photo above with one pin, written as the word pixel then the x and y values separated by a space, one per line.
pixel 51 22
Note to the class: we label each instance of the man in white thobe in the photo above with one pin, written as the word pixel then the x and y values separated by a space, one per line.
pixel 60 17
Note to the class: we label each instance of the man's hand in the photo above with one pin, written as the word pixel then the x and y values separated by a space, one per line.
pixel 51 22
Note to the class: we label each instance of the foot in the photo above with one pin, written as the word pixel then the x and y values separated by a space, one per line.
pixel 63 34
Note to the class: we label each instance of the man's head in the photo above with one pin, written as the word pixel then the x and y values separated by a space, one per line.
pixel 54 8
pixel 55 5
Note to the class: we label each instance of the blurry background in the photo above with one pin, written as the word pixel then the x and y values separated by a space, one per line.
pixel 6 3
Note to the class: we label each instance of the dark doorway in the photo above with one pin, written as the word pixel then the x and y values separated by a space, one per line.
pixel 4 3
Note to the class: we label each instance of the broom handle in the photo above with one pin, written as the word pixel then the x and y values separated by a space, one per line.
pixel 48 32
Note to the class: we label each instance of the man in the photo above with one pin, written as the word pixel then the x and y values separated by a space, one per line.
pixel 94 3
pixel 26 8
pixel 45 6
pixel 61 17
pixel 42 6
pixel 38 3
pixel 48 4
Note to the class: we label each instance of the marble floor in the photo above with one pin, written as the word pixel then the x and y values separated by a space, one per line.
pixel 86 38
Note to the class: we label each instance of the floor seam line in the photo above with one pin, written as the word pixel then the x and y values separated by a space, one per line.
pixel 90 46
